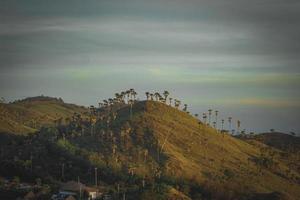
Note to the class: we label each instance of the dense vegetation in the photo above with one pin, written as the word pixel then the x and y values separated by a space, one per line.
pixel 148 149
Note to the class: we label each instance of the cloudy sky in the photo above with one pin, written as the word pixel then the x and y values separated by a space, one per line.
pixel 240 57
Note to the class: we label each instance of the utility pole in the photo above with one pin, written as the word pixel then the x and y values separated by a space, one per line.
pixel 96 176
pixel 63 171
pixel 78 180
pixel 31 165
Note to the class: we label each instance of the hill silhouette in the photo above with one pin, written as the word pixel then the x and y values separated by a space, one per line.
pixel 151 149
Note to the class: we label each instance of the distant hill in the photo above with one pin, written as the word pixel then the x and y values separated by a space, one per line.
pixel 28 115
pixel 279 140
pixel 170 152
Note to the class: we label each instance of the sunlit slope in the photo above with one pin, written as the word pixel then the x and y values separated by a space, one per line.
pixel 197 152
pixel 30 114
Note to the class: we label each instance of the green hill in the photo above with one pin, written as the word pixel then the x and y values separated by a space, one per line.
pixel 30 114
pixel 154 151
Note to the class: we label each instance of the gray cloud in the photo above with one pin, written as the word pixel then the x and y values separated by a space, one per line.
pixel 194 48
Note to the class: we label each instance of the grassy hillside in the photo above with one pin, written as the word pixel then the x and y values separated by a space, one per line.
pixel 154 151
pixel 200 153
pixel 29 115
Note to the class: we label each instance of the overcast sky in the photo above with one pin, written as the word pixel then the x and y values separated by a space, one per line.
pixel 240 57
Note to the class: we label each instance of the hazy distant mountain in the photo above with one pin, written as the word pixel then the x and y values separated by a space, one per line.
pixel 279 140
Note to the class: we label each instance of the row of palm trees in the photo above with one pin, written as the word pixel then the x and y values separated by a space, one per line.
pixel 210 117
pixel 158 97
pixel 164 99
pixel 207 119
pixel 124 97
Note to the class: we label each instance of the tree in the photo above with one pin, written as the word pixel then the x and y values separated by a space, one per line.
pixel 123 95
pixel 216 119
pixel 130 103
pixel 166 94
pixel 128 95
pixel 151 95
pixel 147 95
pixel 170 100
pixel 214 124
pixel 209 115
pixel 292 133
pixel 177 103
pixel 156 95
pixel 185 107
pixel 229 123
pixel 105 102
pixel 238 126
pixel 2 100
pixel 222 124
pixel 131 92
pixel 204 118
pixel 134 93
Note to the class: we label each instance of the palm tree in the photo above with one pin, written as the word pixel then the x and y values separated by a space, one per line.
pixel 216 120
pixel 147 95
pixel 214 124
pixel 128 94
pixel 161 99
pixel 110 101
pixel 185 107
pixel 229 123
pixel 134 93
pixel 204 118
pixel 175 103
pixel 123 95
pixel 131 91
pixel 117 95
pixel 166 94
pixel 157 95
pixel 170 100
pixel 232 131
pixel 179 102
pixel 105 102
pixel 130 103
pixel 209 115
pixel 151 95
pixel 223 124
pixel 238 126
